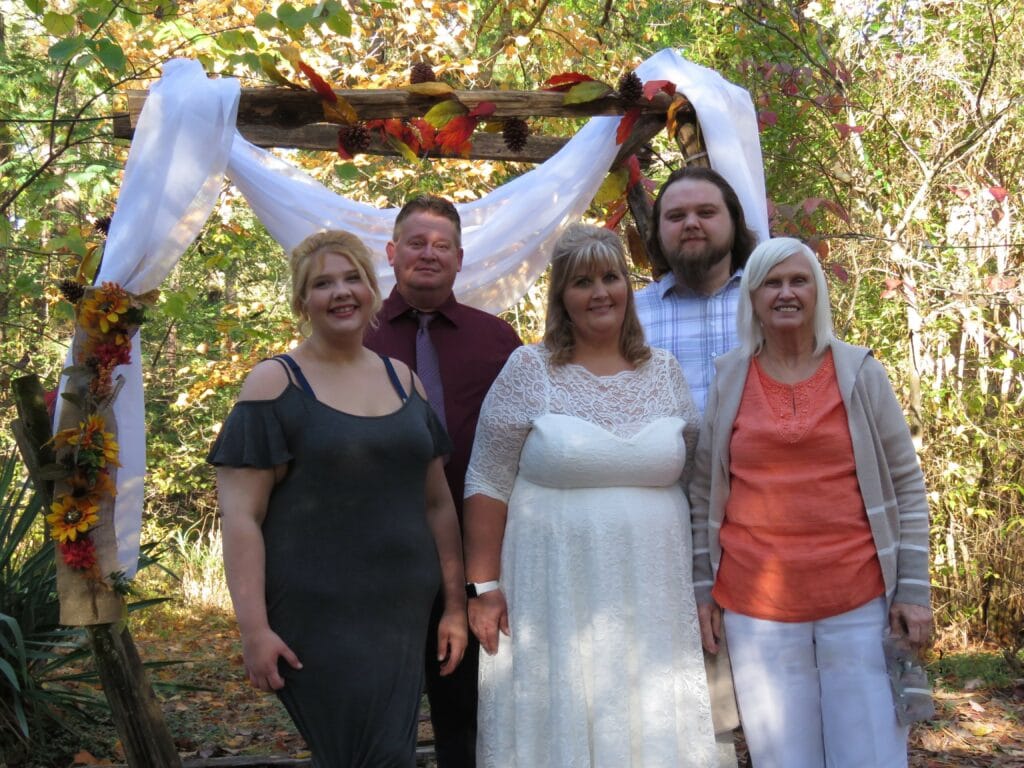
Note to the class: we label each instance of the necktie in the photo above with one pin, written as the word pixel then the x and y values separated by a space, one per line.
pixel 426 365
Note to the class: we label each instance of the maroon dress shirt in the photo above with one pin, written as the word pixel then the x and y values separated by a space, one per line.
pixel 472 347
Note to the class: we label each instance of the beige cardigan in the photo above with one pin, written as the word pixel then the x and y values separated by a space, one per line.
pixel 890 478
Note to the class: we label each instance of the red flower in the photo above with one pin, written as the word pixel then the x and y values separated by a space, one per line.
pixel 112 353
pixel 79 554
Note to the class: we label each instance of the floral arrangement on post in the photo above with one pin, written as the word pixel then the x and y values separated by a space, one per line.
pixel 87 451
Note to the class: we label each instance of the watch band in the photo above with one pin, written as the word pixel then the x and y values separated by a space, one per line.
pixel 475 589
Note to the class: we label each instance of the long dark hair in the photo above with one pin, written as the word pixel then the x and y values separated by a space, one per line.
pixel 743 239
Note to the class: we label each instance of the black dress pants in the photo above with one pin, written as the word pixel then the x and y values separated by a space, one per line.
pixel 452 700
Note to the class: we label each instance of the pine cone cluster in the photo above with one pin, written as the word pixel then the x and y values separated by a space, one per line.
pixel 72 290
pixel 631 88
pixel 354 138
pixel 515 133
pixel 421 72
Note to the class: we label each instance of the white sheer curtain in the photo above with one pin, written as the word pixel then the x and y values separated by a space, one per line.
pixel 186 141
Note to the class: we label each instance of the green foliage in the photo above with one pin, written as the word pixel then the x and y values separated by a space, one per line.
pixel 39 684
pixel 887 129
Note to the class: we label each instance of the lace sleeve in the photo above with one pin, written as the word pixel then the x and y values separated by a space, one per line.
pixel 516 398
pixel 688 411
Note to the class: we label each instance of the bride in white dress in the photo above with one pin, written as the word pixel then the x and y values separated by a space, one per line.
pixel 578 546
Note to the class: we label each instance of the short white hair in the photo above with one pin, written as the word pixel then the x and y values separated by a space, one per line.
pixel 763 259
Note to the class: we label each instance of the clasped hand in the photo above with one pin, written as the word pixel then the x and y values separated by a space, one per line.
pixel 452 638
pixel 488 615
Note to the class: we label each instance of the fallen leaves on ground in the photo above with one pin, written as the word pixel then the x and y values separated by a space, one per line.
pixel 224 716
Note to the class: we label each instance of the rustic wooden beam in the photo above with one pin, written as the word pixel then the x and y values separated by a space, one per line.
pixel 324 137
pixel 645 129
pixel 136 712
pixel 287 108
pixel 292 119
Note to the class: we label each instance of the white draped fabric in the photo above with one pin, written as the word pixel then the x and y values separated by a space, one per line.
pixel 186 141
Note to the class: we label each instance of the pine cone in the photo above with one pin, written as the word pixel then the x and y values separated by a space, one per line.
pixel 515 133
pixel 354 138
pixel 421 72
pixel 631 88
pixel 72 290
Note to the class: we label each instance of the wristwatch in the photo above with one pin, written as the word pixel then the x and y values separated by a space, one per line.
pixel 475 589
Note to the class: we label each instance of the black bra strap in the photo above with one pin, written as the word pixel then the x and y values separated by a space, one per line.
pixel 296 372
pixel 394 379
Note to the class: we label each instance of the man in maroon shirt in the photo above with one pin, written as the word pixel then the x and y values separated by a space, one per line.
pixel 471 348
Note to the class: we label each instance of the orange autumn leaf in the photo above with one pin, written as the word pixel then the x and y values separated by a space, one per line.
pixel 393 127
pixel 616 215
pixel 626 124
pixel 454 137
pixel 564 81
pixel 319 84
pixel 671 124
pixel 85 757
pixel 424 133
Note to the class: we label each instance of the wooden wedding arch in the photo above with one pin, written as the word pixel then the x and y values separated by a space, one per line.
pixel 295 119
pixel 284 118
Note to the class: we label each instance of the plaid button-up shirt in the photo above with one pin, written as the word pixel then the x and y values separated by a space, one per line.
pixel 694 328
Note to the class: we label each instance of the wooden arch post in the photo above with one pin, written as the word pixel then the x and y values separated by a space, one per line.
pixel 133 705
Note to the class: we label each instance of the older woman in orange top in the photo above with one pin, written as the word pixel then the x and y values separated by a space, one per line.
pixel 810 526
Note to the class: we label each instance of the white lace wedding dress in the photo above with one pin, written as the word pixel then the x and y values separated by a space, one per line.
pixel 604 666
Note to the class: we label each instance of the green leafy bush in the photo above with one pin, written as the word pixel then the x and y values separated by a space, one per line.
pixel 40 661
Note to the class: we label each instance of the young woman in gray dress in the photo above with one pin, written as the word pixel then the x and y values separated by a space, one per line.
pixel 338 524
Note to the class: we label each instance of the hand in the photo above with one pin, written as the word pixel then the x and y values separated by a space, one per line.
pixel 710 617
pixel 452 637
pixel 261 650
pixel 488 614
pixel 911 621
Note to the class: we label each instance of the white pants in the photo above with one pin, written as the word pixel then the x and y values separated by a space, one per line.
pixel 816 694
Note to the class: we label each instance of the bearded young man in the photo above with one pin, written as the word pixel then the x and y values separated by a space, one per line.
pixel 700 243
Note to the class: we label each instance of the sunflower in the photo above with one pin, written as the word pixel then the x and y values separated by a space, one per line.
pixel 91 487
pixel 71 516
pixel 104 308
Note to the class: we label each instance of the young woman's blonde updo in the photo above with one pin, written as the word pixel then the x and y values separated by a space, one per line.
pixel 303 259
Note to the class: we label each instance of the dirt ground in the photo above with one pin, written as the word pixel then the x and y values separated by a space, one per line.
pixel 217 715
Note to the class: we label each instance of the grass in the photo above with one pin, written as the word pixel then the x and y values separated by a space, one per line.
pixel 976 670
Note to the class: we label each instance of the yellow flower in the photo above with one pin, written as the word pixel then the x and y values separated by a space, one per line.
pixel 66 437
pixel 71 516
pixel 110 450
pixel 103 309
pixel 92 490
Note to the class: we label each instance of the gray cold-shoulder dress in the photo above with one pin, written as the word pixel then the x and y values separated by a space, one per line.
pixel 351 565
